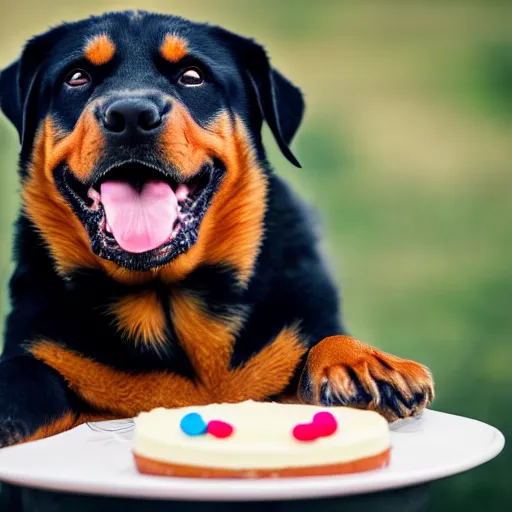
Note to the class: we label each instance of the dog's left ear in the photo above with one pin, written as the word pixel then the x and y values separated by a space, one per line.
pixel 9 95
pixel 281 103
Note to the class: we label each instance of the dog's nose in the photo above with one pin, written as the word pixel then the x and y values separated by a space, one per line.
pixel 132 116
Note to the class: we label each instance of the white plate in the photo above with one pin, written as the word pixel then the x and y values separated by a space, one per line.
pixel 93 461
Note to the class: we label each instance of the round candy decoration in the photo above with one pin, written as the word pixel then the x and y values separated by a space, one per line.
pixel 193 424
pixel 304 432
pixel 326 424
pixel 220 429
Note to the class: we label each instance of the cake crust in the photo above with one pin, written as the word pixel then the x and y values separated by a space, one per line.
pixel 154 467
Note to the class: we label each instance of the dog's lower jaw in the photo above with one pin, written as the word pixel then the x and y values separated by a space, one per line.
pixel 86 205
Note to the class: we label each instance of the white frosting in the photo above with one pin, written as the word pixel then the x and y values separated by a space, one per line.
pixel 262 438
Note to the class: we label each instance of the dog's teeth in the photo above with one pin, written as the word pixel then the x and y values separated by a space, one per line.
pixel 182 192
pixel 95 196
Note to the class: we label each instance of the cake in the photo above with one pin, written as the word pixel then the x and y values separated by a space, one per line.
pixel 259 440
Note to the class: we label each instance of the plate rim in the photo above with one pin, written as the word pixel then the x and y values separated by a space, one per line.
pixel 281 489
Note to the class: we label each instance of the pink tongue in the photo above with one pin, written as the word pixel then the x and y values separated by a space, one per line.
pixel 139 220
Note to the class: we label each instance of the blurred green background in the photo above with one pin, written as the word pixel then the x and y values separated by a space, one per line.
pixel 407 153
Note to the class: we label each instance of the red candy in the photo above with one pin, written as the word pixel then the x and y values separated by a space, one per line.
pixel 325 424
pixel 219 429
pixel 305 432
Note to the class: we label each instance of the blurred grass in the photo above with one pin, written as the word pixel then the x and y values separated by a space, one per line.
pixel 407 150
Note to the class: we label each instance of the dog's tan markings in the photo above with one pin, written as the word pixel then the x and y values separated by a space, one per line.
pixel 113 392
pixel 100 50
pixel 129 277
pixel 140 317
pixel 208 341
pixel 268 372
pixel 46 208
pixel 82 148
pixel 119 393
pixel 232 229
pixel 335 359
pixel 236 217
pixel 188 146
pixel 44 205
pixel 174 48
pixel 65 422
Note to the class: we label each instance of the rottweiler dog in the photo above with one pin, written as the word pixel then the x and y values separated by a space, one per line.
pixel 159 259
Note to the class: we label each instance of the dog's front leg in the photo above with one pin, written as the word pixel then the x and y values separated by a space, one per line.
pixel 34 401
pixel 343 371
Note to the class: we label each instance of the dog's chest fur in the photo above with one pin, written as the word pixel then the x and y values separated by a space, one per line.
pixel 168 346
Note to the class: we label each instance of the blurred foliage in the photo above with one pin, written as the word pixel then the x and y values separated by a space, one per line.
pixel 495 78
pixel 407 151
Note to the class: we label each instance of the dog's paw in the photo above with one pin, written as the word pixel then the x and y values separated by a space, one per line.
pixel 343 371
pixel 12 431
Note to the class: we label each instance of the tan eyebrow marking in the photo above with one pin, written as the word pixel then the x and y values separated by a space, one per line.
pixel 100 49
pixel 173 48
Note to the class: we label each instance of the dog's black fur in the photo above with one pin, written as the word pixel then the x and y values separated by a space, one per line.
pixel 289 281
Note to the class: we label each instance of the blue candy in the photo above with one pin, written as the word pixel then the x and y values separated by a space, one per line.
pixel 193 425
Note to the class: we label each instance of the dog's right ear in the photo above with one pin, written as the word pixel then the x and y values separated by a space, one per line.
pixel 280 102
pixel 10 101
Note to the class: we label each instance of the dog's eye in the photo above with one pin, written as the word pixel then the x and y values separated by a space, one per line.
pixel 77 78
pixel 191 77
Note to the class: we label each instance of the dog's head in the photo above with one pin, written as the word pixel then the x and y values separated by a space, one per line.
pixel 140 138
